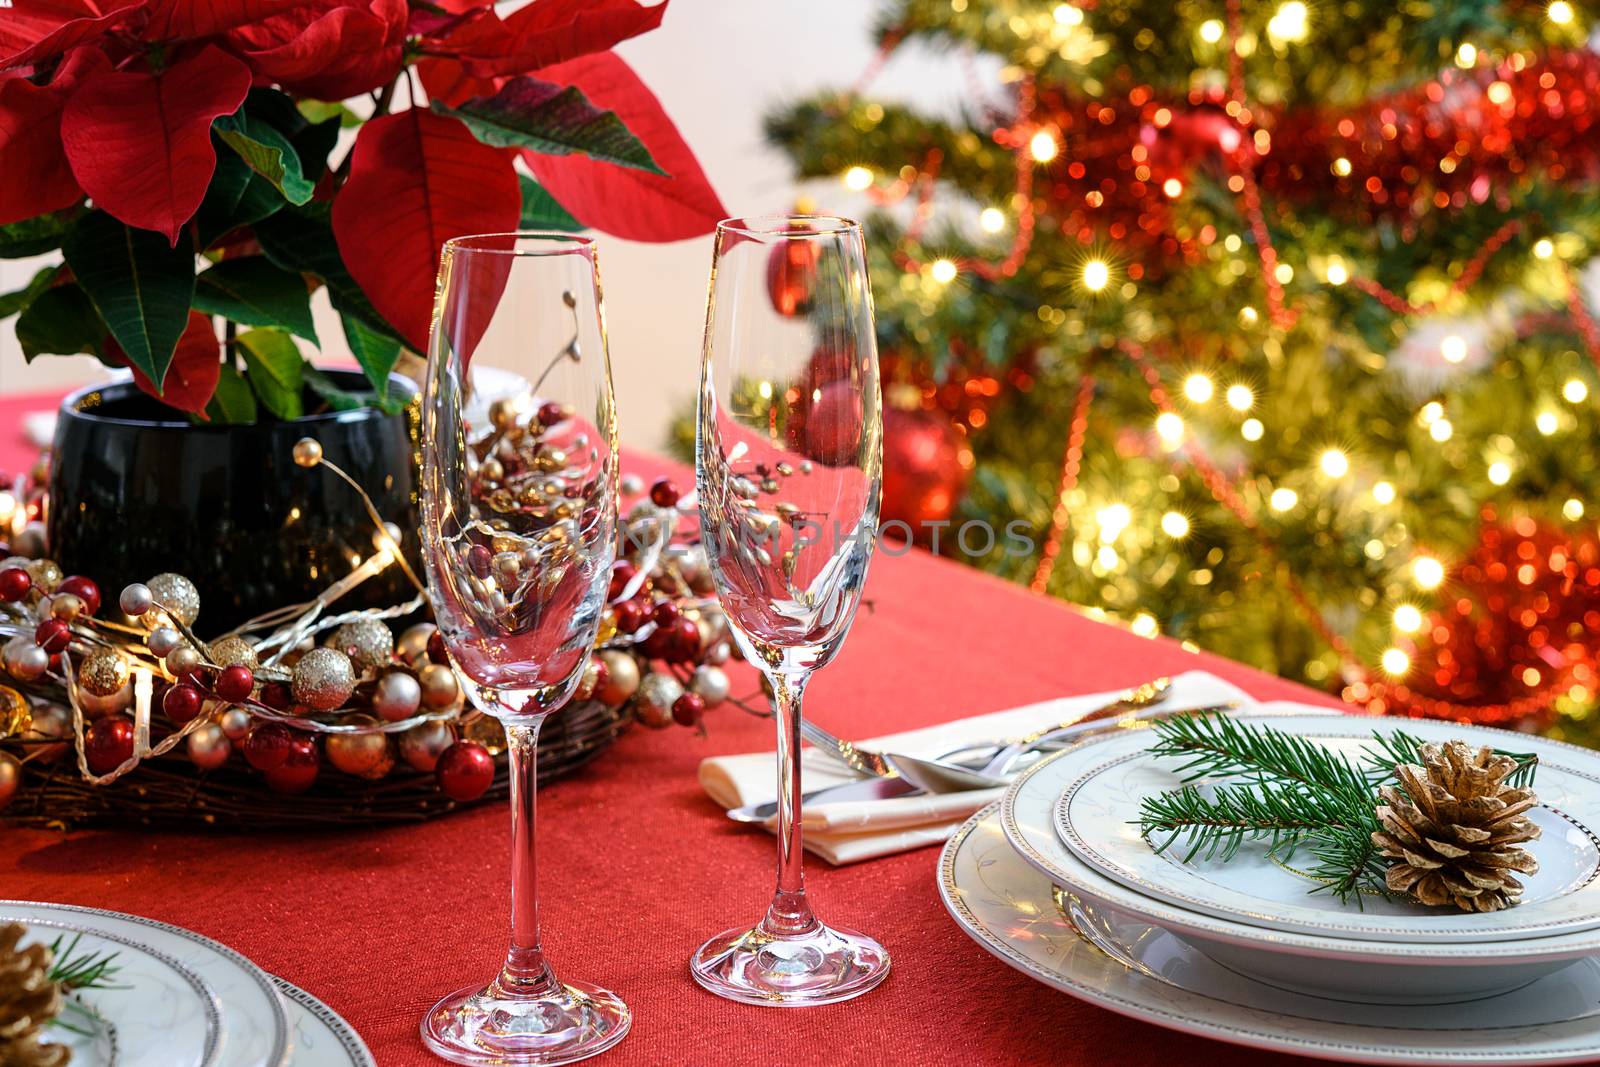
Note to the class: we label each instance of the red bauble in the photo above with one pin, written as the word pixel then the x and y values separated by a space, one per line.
pixel 108 743
pixel 664 493
pixel 277 696
pixel 84 589
pixel 14 583
pixel 792 277
pixel 234 683
pixel 53 635
pixel 551 413
pixel 666 613
pixel 622 572
pixel 684 641
pixel 688 709
pixel 923 472
pixel 437 653
pixel 465 771
pixel 298 769
pixel 630 615
pixel 833 423
pixel 182 703
pixel 267 746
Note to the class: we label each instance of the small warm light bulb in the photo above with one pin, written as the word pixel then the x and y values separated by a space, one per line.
pixel 858 179
pixel 1043 146
pixel 1283 499
pixel 1284 273
pixel 1145 625
pixel 1547 422
pixel 1240 398
pixel 1337 273
pixel 1173 524
pixel 1453 349
pixel 1211 30
pixel 942 271
pixel 1334 463
pixel 1499 472
pixel 1096 275
pixel 1467 55
pixel 1441 430
pixel 1113 519
pixel 1573 509
pixel 1544 248
pixel 1068 15
pixel 993 220
pixel 1559 12
pixel 1383 492
pixel 1251 429
pixel 1198 388
pixel 1574 391
pixel 1169 427
pixel 1427 572
pixel 1407 619
pixel 1341 167
pixel 1395 662
pixel 1431 413
pixel 1498 92
pixel 1289 23
pixel 1173 188
pixel 1249 316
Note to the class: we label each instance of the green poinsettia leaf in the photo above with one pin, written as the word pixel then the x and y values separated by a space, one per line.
pixel 545 117
pixel 253 291
pixel 141 286
pixel 267 152
pixel 313 138
pixel 541 212
pixel 35 236
pixel 276 370
pixel 336 398
pixel 301 239
pixel 60 321
pixel 233 403
pixel 318 112
pixel 13 303
pixel 237 196
pixel 376 352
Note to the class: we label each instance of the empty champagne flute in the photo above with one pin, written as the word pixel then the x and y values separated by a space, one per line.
pixel 519 510
pixel 789 457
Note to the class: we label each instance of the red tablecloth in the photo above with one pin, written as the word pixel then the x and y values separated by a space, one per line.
pixel 637 866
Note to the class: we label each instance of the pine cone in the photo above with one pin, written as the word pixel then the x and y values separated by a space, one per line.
pixel 29 1000
pixel 1453 829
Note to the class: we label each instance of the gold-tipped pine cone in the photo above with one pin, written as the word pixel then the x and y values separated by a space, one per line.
pixel 1452 829
pixel 29 1000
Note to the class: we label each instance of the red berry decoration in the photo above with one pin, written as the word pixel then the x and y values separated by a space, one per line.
pixel 630 615
pixel 659 645
pixel 277 696
pixel 622 572
pixel 84 589
pixel 182 703
pixel 267 747
pixel 53 635
pixel 792 277
pixel 551 413
pixel 683 641
pixel 14 583
pixel 664 494
pixel 480 559
pixel 108 743
pixel 688 709
pixel 465 771
pixel 666 613
pixel 436 650
pixel 298 770
pixel 234 683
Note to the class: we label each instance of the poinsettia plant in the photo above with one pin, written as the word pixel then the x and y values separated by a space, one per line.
pixel 191 161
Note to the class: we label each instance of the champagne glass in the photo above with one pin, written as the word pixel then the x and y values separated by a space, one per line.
pixel 789 456
pixel 519 511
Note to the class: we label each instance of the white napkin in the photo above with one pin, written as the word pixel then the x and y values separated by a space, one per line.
pixel 860 830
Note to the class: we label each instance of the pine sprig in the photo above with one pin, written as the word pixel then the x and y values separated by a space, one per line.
pixel 75 973
pixel 1399 747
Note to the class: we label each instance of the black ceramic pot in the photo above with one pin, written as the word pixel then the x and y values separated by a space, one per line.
pixel 136 490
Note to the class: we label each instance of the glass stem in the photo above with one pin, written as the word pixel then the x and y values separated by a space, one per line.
pixel 525 974
pixel 789 915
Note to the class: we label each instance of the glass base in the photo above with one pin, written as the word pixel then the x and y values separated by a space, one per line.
pixel 482 1026
pixel 822 966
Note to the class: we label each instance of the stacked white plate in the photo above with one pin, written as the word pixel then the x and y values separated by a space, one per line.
pixel 1056 880
pixel 178 999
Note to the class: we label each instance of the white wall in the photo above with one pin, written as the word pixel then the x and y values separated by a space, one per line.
pixel 717 66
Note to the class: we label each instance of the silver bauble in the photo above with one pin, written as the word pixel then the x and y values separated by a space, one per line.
pixel 236 723
pixel 423 744
pixel 718 653
pixel 209 747
pixel 10 779
pixel 710 684
pixel 30 541
pixel 95 707
pixel 25 660
pixel 652 706
pixel 412 648
pixel 50 722
pixel 323 679
pixel 367 641
pixel 396 696
pixel 135 600
pixel 234 651
pixel 177 595
pixel 162 640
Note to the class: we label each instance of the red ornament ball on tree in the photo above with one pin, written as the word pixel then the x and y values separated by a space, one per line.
pixel 182 703
pixel 267 746
pixel 53 635
pixel 923 472
pixel 833 423
pixel 234 683
pixel 792 277
pixel 108 743
pixel 298 770
pixel 14 583
pixel 84 589
pixel 688 709
pixel 465 771
pixel 630 615
pixel 664 493
pixel 622 572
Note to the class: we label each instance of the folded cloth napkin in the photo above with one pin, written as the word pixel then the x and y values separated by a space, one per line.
pixel 860 830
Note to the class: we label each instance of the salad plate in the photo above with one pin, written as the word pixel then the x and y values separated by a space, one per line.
pixel 321 1036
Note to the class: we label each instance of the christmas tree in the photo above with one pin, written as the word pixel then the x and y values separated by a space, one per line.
pixel 1267 320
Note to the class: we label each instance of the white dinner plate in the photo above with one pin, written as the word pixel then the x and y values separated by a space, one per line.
pixel 321 1037
pixel 253 1025
pixel 1105 783
pixel 1016 913
pixel 1355 968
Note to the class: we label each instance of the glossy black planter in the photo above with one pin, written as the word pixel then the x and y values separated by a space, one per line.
pixel 135 491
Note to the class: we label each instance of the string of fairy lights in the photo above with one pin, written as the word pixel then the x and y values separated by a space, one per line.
pixel 1207 394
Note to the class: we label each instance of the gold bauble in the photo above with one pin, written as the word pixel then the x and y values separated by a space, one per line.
pixel 367 641
pixel 589 679
pixel 622 678
pixel 323 679
pixel 652 706
pixel 49 735
pixel 103 672
pixel 10 779
pixel 307 452
pixel 363 755
pixel 177 595
pixel 45 574
pixel 234 652
pixel 423 744
pixel 439 686
pixel 485 730
pixel 412 648
pixel 15 714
